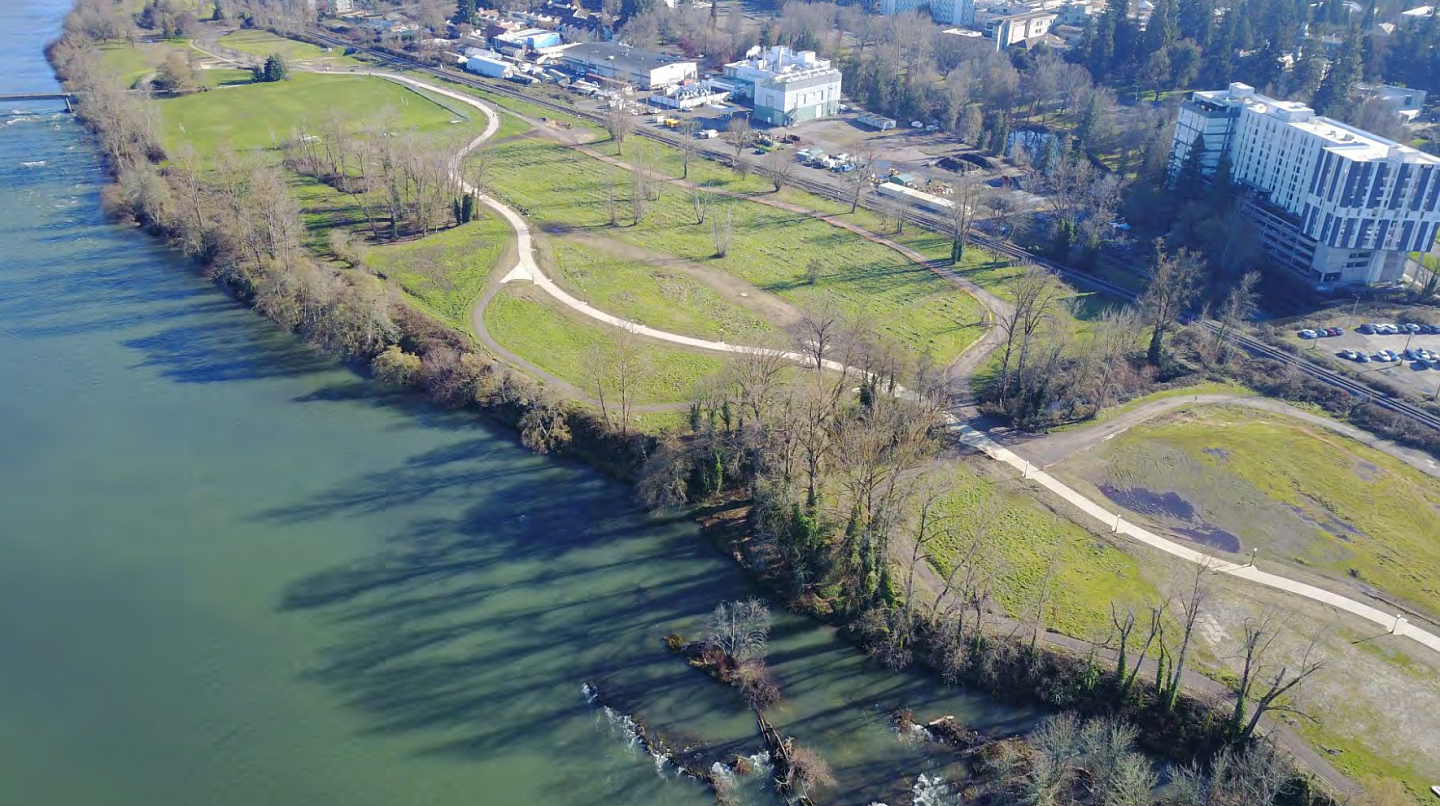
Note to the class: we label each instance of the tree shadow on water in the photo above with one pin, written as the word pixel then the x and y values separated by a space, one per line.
pixel 471 630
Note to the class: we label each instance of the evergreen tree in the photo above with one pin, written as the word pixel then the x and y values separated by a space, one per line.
pixel 1162 30
pixel 1102 48
pixel 1333 97
pixel 1218 58
pixel 467 208
pixel 466 13
pixel 275 68
pixel 1196 19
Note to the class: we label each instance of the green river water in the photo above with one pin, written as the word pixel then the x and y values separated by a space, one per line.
pixel 230 577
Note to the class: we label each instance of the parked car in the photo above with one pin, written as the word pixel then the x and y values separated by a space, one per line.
pixel 1410 355
pixel 1390 329
pixel 1362 358
pixel 1366 328
pixel 1349 355
pixel 1308 334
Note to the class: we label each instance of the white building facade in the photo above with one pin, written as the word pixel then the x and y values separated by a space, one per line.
pixel 618 63
pixel 787 87
pixel 1333 203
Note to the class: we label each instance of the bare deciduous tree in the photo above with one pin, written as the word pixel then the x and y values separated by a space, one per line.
pixel 739 630
pixel 1173 286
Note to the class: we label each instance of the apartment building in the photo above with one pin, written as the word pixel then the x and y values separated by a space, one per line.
pixel 787 87
pixel 1332 203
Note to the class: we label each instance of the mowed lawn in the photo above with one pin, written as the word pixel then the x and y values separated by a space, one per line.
pixel 1301 494
pixel 446 271
pixel 1023 540
pixel 664 298
pixel 267 115
pixel 769 248
pixel 533 326
pixel 263 43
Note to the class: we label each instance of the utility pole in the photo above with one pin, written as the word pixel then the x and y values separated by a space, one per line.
pixel 1353 309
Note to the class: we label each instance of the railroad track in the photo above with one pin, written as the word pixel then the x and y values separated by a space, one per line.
pixel 915 216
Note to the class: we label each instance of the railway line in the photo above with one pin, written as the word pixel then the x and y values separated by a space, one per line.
pixel 915 216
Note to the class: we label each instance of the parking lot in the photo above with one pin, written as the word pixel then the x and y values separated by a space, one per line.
pixel 1411 376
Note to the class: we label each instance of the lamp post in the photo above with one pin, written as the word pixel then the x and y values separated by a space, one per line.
pixel 1353 309
pixel 1254 554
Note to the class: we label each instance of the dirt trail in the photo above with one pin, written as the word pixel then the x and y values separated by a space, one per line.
pixel 1054 448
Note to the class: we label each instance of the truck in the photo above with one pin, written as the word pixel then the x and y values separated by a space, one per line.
pixel 490 67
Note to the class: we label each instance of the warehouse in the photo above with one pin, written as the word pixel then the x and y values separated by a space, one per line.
pixel 617 62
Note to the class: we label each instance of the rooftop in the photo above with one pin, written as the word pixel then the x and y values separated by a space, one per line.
pixel 620 54
pixel 1340 138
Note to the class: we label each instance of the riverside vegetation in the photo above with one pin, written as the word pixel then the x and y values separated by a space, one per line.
pixel 827 470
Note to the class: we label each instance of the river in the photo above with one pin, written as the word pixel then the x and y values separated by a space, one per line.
pixel 231 575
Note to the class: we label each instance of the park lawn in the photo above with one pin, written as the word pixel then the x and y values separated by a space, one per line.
pixel 769 248
pixel 658 297
pixel 263 43
pixel 448 270
pixel 524 321
pixel 1301 494
pixel 134 62
pixel 1023 538
pixel 266 115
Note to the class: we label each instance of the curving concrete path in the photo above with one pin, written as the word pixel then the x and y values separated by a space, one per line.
pixel 528 269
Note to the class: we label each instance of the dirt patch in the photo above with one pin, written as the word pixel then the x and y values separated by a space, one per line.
pixel 762 303
pixel 1171 507
pixel 1366 470
pixel 1218 453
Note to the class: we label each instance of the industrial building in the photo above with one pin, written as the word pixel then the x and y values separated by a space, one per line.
pixel 786 87
pixel 1332 203
pixel 618 63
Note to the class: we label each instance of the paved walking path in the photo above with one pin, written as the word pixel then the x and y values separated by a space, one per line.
pixel 528 269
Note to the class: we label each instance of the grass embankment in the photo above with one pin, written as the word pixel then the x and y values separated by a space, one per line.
pixel 263 43
pixel 769 248
pixel 1022 538
pixel 563 343
pixel 1303 495
pixel 447 271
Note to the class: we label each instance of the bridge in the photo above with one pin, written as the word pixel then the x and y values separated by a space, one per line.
pixel 68 98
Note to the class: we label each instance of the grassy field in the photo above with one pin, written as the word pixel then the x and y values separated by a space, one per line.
pixel 537 329
pixel 770 248
pixel 266 115
pixel 264 43
pixel 447 271
pixel 1303 495
pixel 668 299
pixel 1023 536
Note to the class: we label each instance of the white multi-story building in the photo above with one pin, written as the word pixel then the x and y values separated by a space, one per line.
pixel 1332 203
pixel 787 87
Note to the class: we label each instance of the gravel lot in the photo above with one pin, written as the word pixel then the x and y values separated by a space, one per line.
pixel 1420 381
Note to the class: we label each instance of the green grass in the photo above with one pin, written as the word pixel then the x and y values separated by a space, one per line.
pixel 525 108
pixel 264 43
pixel 563 343
pixel 1201 388
pixel 446 271
pixel 133 62
pixel 1302 494
pixel 1022 538
pixel 268 114
pixel 668 299
pixel 770 248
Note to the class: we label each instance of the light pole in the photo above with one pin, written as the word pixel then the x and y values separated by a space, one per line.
pixel 1353 309
pixel 1254 554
